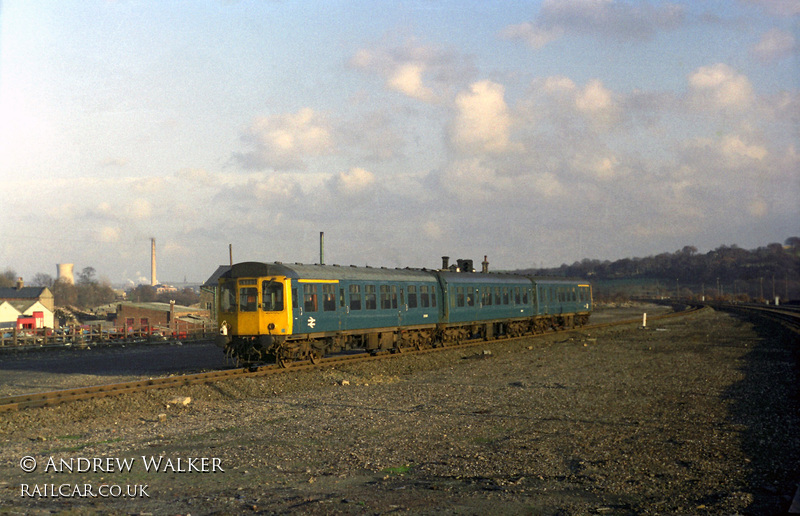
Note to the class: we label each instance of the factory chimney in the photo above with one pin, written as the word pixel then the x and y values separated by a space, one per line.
pixel 485 264
pixel 153 281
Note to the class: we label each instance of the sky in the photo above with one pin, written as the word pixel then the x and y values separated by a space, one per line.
pixel 535 132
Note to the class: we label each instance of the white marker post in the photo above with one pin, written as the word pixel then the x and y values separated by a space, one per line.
pixel 644 320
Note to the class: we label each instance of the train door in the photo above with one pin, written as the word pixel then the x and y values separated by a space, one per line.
pixel 248 303
pixel 316 306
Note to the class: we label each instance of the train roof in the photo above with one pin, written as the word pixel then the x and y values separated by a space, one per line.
pixel 328 272
pixel 558 280
pixel 481 277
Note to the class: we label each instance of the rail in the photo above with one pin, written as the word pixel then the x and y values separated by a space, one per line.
pixel 788 315
pixel 45 399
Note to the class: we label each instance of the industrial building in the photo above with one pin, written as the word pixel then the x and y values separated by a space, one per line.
pixel 26 307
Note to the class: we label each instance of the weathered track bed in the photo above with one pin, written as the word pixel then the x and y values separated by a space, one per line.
pixel 44 399
pixel 693 415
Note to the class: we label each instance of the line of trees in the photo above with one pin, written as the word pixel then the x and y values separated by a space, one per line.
pixel 762 273
pixel 89 291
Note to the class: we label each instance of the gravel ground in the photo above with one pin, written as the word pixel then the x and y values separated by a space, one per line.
pixel 696 415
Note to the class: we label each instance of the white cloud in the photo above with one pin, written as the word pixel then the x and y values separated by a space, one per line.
pixel 483 121
pixel 720 87
pixel 758 208
pixel 115 162
pixel 109 234
pixel 557 84
pixel 138 209
pixel 536 37
pixel 407 78
pixel 471 180
pixel 354 181
pixel 775 44
pixel 734 147
pixel 197 175
pixel 779 7
pixel 421 72
pixel 607 19
pixel 285 141
pixel 596 102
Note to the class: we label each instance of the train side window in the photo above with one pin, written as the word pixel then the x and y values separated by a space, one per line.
pixel 310 298
pixel 497 298
pixel 385 300
pixel 433 297
pixel 227 296
pixel 424 297
pixel 460 296
pixel 341 298
pixel 471 296
pixel 412 296
pixel 525 296
pixel 506 299
pixel 517 296
pixel 355 297
pixel 295 302
pixel 369 297
pixel 393 292
pixel 329 298
pixel 487 296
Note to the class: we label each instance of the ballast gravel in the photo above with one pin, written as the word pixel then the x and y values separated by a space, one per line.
pixel 693 415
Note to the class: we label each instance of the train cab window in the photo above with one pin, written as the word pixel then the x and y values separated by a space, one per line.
pixel 370 299
pixel 517 296
pixel 310 298
pixel 424 297
pixel 355 297
pixel 248 299
pixel 227 296
pixel 412 296
pixel 295 302
pixel 328 298
pixel 272 296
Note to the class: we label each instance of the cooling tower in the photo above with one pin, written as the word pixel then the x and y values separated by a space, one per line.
pixel 65 272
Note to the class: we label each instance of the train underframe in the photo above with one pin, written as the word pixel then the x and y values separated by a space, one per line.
pixel 283 350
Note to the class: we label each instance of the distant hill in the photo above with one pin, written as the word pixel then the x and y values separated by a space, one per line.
pixel 726 272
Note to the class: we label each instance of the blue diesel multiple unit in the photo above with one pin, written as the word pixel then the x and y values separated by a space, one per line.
pixel 295 312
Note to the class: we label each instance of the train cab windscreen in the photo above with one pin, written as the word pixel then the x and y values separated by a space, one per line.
pixel 272 296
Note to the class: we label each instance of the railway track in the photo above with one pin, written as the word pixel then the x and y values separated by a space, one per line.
pixel 46 399
pixel 787 316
